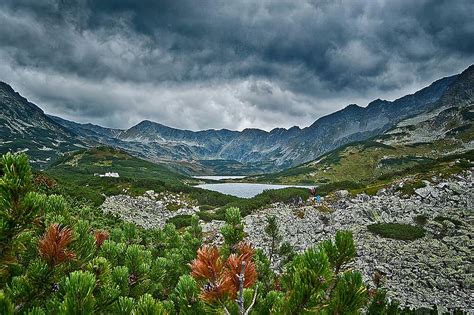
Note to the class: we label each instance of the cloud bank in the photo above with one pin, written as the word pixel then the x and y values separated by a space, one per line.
pixel 226 64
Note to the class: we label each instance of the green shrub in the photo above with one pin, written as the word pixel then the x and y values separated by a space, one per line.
pixel 78 297
pixel 180 221
pixel 440 219
pixel 206 207
pixel 233 230
pixel 208 197
pixel 268 197
pixel 173 207
pixel 207 216
pixel 397 231
pixel 421 219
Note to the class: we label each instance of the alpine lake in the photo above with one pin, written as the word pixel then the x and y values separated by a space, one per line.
pixel 242 190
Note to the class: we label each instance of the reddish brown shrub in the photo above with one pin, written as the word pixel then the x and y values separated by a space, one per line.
pixel 53 246
pixel 100 237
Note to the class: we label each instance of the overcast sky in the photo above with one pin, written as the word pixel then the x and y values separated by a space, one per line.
pixel 200 64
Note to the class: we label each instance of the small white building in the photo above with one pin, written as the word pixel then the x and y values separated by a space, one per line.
pixel 109 174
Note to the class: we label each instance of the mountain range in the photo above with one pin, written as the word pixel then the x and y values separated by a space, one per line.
pixel 24 126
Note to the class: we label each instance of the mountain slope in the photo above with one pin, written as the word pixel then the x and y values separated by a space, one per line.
pixel 420 143
pixel 91 173
pixel 90 130
pixel 257 151
pixel 25 127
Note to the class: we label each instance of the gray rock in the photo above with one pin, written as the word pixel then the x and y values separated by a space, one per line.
pixel 342 193
pixel 427 191
pixel 436 269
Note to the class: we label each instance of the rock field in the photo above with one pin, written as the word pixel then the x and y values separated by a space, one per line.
pixel 149 210
pixel 436 269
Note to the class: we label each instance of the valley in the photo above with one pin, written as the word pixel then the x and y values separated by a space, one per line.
pixel 437 204
pixel 401 185
pixel 286 157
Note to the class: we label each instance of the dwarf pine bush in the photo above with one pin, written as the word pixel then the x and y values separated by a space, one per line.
pixel 59 257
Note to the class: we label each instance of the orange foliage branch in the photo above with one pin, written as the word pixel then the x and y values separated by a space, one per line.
pixel 100 237
pixel 223 279
pixel 53 246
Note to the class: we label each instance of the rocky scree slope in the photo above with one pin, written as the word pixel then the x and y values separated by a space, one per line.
pixel 435 269
pixel 150 210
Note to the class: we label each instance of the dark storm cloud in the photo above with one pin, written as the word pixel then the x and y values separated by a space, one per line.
pixel 234 64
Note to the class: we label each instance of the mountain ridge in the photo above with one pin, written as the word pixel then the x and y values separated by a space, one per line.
pixel 258 150
pixel 279 145
pixel 425 142
pixel 371 104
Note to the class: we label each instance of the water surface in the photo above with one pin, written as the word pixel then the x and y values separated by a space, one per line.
pixel 219 177
pixel 243 190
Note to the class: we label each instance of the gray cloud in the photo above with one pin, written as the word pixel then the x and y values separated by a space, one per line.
pixel 226 64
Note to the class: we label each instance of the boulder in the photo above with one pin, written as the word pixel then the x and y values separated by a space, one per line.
pixel 342 193
pixel 428 191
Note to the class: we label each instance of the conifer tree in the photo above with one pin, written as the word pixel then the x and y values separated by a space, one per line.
pixel 19 207
pixel 232 231
pixel 275 238
pixel 224 279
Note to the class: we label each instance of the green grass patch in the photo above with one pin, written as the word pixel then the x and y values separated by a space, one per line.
pixel 323 208
pixel 404 160
pixel 173 207
pixel 104 163
pixel 375 144
pixel 325 189
pixel 397 231
pixel 409 188
pixel 300 170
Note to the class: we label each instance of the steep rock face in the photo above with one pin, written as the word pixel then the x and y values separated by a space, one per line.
pixel 452 116
pixel 25 127
pixel 461 92
pixel 355 123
